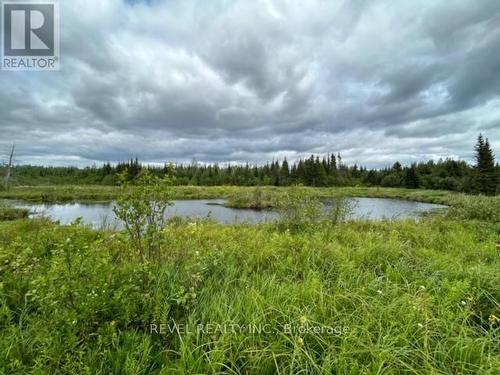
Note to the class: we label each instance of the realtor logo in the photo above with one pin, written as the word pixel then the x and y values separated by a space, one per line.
pixel 30 35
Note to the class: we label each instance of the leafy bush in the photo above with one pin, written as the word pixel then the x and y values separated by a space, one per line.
pixel 258 199
pixel 338 210
pixel 391 180
pixel 142 211
pixel 299 211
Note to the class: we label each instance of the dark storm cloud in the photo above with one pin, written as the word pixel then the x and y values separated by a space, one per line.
pixel 254 80
pixel 478 79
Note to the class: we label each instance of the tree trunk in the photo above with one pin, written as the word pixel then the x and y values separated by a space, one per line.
pixel 9 167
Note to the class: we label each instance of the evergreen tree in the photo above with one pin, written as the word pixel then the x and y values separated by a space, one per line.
pixel 333 163
pixel 486 175
pixel 284 173
pixel 396 167
pixel 320 173
pixel 313 171
pixel 275 173
pixel 411 177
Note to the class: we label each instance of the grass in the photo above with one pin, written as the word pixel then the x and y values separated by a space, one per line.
pixel 360 297
pixel 61 193
pixel 270 197
pixel 475 207
pixel 9 213
pixel 238 196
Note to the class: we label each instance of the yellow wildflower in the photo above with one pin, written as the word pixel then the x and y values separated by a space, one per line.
pixel 494 319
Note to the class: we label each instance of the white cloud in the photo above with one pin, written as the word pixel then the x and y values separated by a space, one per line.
pixel 237 80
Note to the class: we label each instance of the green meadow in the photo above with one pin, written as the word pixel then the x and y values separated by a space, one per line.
pixel 299 296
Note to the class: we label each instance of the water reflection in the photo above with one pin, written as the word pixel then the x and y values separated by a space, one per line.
pixel 99 214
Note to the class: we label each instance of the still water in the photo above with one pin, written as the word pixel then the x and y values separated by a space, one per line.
pixel 99 214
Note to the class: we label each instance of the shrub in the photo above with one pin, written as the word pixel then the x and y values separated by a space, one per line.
pixel 392 180
pixel 258 199
pixel 142 211
pixel 299 211
pixel 338 210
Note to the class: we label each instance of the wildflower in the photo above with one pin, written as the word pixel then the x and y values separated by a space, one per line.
pixel 420 325
pixel 303 319
pixel 379 291
pixel 300 341
pixel 197 253
pixel 463 303
pixel 494 319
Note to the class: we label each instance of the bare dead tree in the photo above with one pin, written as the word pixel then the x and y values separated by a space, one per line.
pixel 6 179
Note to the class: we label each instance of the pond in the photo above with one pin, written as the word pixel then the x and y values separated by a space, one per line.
pixel 101 214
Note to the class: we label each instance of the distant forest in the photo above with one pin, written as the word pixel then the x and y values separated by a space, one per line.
pixel 321 171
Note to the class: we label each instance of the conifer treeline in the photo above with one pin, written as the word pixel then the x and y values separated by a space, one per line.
pixel 328 170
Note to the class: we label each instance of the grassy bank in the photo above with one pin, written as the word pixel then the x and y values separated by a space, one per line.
pixel 238 196
pixel 352 298
pixel 96 193
pixel 9 213
pixel 270 197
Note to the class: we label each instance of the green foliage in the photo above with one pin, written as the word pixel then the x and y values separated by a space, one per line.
pixel 475 208
pixel 300 211
pixel 402 296
pixel 329 170
pixel 391 180
pixel 142 211
pixel 243 196
pixel 9 213
pixel 411 177
pixel 487 177
pixel 259 198
pixel 338 210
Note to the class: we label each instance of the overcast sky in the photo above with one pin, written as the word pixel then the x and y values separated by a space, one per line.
pixel 254 80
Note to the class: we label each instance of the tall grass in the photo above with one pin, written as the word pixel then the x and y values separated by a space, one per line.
pixel 475 207
pixel 354 298
pixel 9 213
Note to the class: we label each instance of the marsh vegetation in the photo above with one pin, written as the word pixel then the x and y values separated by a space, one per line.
pixel 309 293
